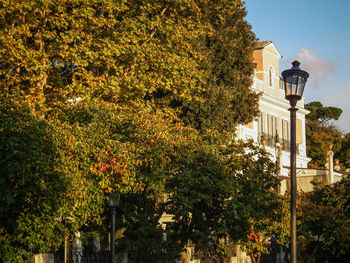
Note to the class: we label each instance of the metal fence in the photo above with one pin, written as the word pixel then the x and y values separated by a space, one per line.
pixel 213 254
pixel 86 257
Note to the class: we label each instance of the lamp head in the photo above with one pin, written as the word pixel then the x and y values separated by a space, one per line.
pixel 113 200
pixel 294 81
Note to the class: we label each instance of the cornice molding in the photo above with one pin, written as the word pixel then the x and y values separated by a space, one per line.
pixel 280 103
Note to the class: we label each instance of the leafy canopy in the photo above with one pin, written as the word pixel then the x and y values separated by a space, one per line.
pixel 192 56
pixel 136 96
pixel 320 133
pixel 325 222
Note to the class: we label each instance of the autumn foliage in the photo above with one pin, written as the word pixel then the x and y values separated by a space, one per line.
pixel 140 97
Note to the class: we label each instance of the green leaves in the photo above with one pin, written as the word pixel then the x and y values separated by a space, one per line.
pixel 141 97
pixel 321 113
pixel 325 221
pixel 179 55
pixel 321 134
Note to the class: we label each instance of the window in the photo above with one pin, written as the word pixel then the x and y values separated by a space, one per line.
pixel 299 131
pixel 285 130
pixel 282 84
pixel 261 124
pixel 261 128
pixel 272 126
pixel 285 135
pixel 270 132
pixel 270 77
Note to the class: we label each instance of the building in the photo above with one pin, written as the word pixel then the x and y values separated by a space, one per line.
pixel 272 128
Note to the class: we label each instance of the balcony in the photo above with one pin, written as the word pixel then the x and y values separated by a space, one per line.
pixel 271 140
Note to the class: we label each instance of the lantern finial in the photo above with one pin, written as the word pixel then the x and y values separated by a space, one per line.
pixel 295 64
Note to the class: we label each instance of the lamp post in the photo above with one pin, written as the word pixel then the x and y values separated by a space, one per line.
pixel 113 203
pixel 294 83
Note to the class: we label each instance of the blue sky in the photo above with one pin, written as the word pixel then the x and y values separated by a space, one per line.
pixel 317 33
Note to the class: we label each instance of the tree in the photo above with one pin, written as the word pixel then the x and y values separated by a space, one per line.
pixel 344 152
pixel 267 233
pixel 325 222
pixel 228 48
pixel 320 133
pixel 212 197
pixel 322 114
pixel 178 54
pixel 129 96
pixel 202 186
pixel 44 193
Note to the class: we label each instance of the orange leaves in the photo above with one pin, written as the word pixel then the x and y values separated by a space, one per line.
pixel 115 175
pixel 3 234
pixel 112 168
pixel 254 236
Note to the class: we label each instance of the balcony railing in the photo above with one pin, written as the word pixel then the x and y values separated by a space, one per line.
pixel 271 141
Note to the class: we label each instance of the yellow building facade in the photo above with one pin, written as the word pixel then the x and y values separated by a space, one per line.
pixel 272 128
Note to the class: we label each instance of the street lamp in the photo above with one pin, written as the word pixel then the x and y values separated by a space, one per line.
pixel 294 83
pixel 113 203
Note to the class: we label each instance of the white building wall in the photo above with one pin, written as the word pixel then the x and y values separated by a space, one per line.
pixel 272 102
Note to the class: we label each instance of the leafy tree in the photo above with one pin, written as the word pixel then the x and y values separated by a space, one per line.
pixel 115 50
pixel 44 194
pixel 267 233
pixel 187 55
pixel 205 192
pixel 212 197
pixel 322 114
pixel 228 64
pixel 133 96
pixel 320 133
pixel 344 152
pixel 325 222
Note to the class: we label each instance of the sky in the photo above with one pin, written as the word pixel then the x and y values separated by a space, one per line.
pixel 317 34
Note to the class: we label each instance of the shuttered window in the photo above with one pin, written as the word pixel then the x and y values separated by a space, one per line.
pixel 272 125
pixel 299 131
pixel 285 130
pixel 261 124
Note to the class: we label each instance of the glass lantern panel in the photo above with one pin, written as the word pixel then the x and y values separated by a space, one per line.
pixel 114 200
pixel 301 85
pixel 294 85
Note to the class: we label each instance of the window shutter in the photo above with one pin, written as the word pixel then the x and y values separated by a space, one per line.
pixel 299 131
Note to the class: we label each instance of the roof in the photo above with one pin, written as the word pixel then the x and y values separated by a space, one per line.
pixel 267 45
pixel 261 44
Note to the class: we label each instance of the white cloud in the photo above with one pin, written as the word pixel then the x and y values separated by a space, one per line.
pixel 316 67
